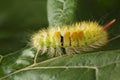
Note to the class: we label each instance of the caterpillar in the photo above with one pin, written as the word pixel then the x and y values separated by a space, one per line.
pixel 71 39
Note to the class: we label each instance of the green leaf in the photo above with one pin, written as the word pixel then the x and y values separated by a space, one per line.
pixel 16 60
pixel 61 12
pixel 103 65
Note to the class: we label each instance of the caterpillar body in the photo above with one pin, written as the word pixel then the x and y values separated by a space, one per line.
pixel 71 39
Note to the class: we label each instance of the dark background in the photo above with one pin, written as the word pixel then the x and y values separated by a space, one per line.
pixel 20 18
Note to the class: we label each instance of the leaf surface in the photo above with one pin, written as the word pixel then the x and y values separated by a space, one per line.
pixel 93 66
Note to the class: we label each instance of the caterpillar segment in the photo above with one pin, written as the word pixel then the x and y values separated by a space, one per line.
pixel 71 39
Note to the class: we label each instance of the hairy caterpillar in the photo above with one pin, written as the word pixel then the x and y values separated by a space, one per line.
pixel 71 39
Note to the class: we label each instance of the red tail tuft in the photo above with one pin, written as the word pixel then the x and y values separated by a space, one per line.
pixel 109 24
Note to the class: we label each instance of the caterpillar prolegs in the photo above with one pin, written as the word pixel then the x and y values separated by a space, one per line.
pixel 71 39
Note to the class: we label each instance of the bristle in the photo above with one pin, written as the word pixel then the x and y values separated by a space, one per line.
pixel 74 39
pixel 109 24
pixel 80 34
pixel 57 38
pixel 66 39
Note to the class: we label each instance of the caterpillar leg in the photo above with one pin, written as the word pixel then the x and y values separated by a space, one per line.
pixel 59 51
pixel 44 50
pixel 51 51
pixel 70 51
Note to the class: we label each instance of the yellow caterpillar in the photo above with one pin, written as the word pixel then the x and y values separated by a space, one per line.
pixel 70 39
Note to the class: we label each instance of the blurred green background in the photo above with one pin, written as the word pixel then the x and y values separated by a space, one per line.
pixel 20 18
